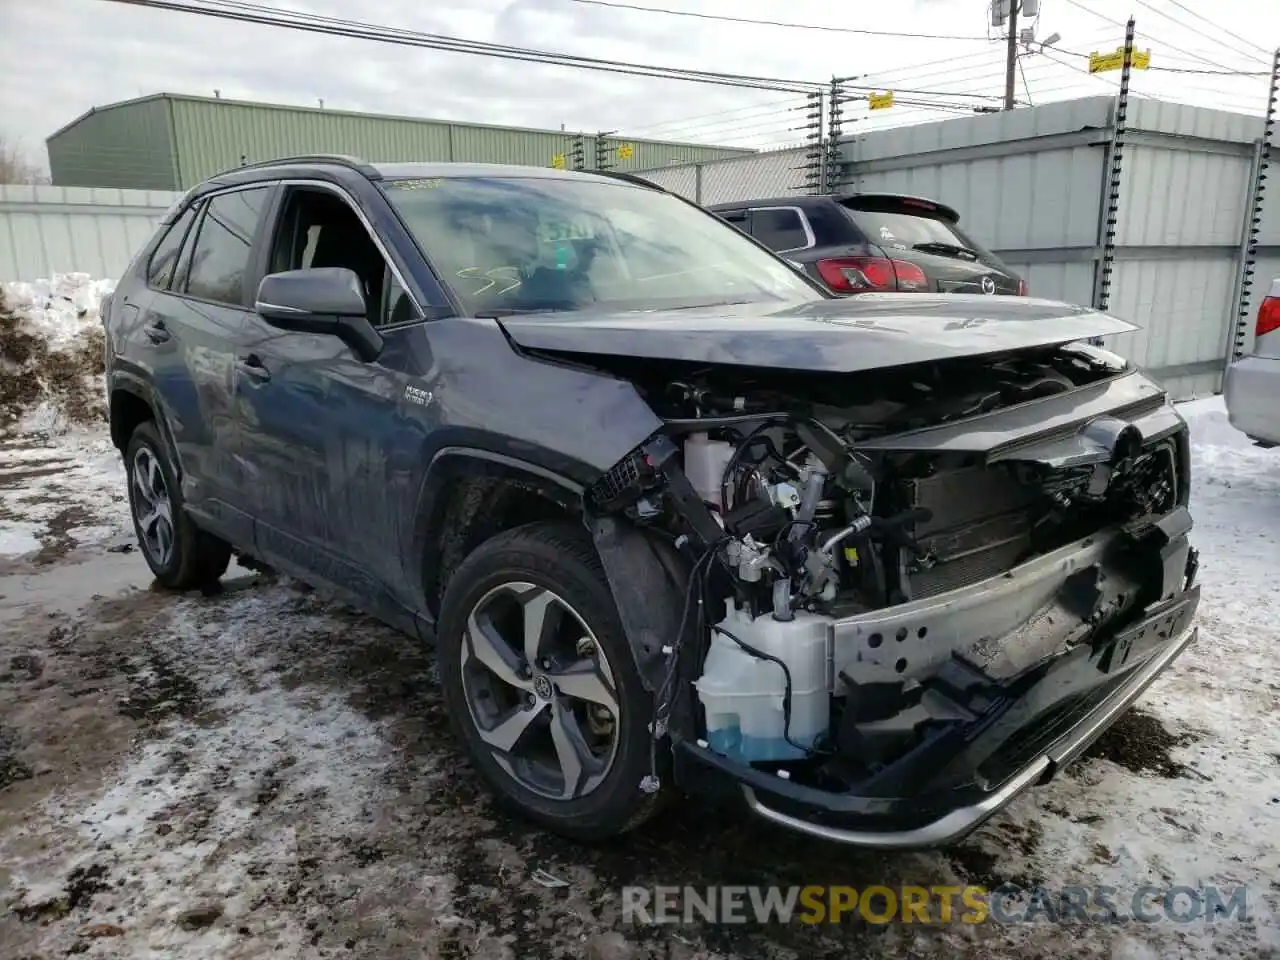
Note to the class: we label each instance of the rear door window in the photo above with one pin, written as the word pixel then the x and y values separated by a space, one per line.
pixel 220 257
pixel 779 228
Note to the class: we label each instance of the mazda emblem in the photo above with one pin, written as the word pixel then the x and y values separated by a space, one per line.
pixel 988 286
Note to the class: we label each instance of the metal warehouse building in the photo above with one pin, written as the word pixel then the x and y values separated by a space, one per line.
pixel 171 142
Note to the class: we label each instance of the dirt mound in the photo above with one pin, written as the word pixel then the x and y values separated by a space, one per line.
pixel 51 351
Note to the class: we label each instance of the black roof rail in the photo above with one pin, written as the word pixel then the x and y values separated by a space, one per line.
pixel 628 178
pixel 337 159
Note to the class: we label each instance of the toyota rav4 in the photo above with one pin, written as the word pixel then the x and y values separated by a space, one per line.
pixel 674 515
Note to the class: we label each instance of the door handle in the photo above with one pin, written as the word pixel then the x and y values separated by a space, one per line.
pixel 157 332
pixel 253 367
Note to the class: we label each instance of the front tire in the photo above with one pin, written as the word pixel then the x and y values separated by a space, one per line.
pixel 541 686
pixel 180 554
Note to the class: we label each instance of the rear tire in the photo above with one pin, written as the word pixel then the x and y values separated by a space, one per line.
pixel 522 720
pixel 180 554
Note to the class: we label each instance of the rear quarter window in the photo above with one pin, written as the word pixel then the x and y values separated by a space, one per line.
pixel 779 228
pixel 164 259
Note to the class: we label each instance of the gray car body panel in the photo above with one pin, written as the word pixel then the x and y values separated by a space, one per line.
pixel 847 335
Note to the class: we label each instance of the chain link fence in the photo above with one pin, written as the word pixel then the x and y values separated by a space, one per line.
pixel 779 173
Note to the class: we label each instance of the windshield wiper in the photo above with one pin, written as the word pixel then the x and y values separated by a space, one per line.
pixel 497 313
pixel 953 249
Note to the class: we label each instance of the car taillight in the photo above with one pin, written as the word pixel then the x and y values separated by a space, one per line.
pixel 857 274
pixel 1268 317
pixel 1022 288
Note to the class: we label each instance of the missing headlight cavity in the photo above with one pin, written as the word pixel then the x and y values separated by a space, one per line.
pixel 881 564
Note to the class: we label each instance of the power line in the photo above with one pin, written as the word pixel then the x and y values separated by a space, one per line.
pixel 1072 66
pixel 1025 86
pixel 269 16
pixel 1163 69
pixel 926 93
pixel 735 127
pixel 1187 26
pixel 905 75
pixel 911 70
pixel 1234 36
pixel 685 121
pixel 776 23
pixel 335 26
pixel 1150 36
pixel 1214 73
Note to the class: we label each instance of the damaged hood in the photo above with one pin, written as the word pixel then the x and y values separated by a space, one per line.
pixel 863 332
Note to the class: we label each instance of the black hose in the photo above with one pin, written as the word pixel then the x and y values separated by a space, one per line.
pixel 735 459
pixel 696 424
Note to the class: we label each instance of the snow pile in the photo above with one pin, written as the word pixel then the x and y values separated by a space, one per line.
pixel 51 350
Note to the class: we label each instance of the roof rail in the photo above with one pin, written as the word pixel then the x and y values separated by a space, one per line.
pixel 339 159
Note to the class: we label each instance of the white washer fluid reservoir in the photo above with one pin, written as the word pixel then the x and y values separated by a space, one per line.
pixel 743 694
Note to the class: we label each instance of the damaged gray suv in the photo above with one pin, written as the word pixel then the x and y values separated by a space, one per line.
pixel 675 517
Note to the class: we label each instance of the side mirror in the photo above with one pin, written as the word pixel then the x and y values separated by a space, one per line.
pixel 320 300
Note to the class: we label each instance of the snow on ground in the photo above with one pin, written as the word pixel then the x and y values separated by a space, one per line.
pixel 18 537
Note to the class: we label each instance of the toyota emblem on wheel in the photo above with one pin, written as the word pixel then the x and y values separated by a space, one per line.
pixel 988 286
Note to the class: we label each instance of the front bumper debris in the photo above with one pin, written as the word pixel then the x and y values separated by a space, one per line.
pixel 1033 719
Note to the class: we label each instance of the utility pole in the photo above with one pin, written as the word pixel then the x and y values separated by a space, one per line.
pixel 1011 61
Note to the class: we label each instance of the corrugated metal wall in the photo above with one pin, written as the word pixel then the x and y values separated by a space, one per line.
pixel 1183 193
pixel 129 145
pixel 174 142
pixel 1029 185
pixel 48 230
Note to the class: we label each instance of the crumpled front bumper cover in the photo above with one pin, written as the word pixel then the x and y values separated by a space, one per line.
pixel 1061 716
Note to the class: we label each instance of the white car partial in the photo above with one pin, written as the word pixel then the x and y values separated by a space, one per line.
pixel 1252 386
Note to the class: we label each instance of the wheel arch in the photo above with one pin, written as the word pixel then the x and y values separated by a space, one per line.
pixel 131 400
pixel 470 495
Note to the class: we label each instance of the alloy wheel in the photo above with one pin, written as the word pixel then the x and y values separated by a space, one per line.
pixel 540 690
pixel 152 508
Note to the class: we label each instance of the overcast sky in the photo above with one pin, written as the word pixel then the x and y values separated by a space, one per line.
pixel 62 57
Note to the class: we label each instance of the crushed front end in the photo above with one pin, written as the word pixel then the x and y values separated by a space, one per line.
pixel 911 593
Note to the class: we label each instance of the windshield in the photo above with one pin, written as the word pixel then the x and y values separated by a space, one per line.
pixel 534 244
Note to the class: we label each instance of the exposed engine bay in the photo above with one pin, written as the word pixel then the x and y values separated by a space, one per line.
pixel 817 506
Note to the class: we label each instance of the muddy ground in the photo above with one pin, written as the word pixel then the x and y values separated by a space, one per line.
pixel 259 772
